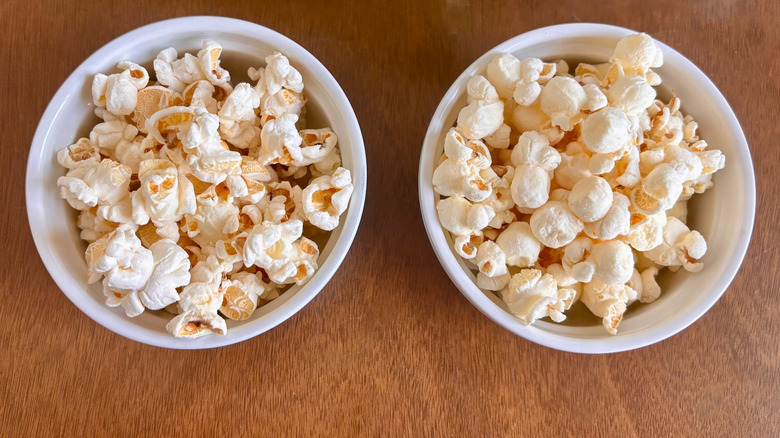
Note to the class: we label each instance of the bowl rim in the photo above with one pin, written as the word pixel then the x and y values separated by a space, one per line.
pixel 350 222
pixel 478 298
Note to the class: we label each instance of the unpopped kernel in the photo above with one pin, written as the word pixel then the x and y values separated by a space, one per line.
pixel 558 187
pixel 203 198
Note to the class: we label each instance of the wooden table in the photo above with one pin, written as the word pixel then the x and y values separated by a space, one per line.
pixel 389 347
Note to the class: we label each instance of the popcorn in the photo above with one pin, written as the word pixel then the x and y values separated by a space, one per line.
pixel 594 203
pixel 172 196
pixel 241 294
pixel 562 99
pixel 77 153
pixel 199 303
pixel 461 218
pixel 554 225
pixel 631 95
pixel 590 199
pixel 164 196
pixel 484 113
pixel 326 198
pixel 680 247
pixel 209 158
pixel 519 245
pixel 281 251
pixel 607 302
pixel 491 260
pixel 531 295
pixel 636 54
pixel 92 183
pixel 118 92
pixel 534 159
pixel 606 131
pixel 215 216
pixel 238 124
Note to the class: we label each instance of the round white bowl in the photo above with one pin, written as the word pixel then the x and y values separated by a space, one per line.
pixel 70 116
pixel 724 214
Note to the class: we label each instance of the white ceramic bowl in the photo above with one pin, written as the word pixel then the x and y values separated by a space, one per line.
pixel 69 116
pixel 724 214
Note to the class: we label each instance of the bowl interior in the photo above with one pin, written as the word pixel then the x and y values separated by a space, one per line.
pixel 723 214
pixel 71 116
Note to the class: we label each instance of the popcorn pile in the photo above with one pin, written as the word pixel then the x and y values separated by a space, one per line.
pixel 195 195
pixel 590 202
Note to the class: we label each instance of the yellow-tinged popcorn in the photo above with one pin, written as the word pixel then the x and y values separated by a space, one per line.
pixel 326 198
pixel 519 244
pixel 531 295
pixel 484 113
pixel 607 301
pixel 594 193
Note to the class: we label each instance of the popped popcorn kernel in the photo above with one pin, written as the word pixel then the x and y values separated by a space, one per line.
pixel 560 188
pixel 194 194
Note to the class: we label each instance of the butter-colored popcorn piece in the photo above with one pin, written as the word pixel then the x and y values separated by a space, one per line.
pixel 606 131
pixel 712 160
pixel 461 218
pixel 680 247
pixel 280 250
pixel 466 246
pixel 94 183
pixel 530 187
pixel 650 288
pixel 78 153
pixel 534 148
pixel 519 245
pixel 326 198
pixel 499 139
pixel 554 225
pixel 637 54
pixel 165 196
pixel 531 295
pixel 283 102
pixel 591 198
pixel 574 166
pixel 575 260
pixel 490 259
pixel 613 262
pixel 607 301
pixel 460 178
pixel 562 98
pixel 646 232
pixel 503 72
pixel 175 73
pixel 595 99
pixel 616 222
pixel 484 113
pixel 631 94
pixel 278 74
pixel 689 162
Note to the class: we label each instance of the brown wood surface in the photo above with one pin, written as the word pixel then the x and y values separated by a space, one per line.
pixel 389 347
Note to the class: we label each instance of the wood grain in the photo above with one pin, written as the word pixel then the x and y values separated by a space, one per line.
pixel 390 347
